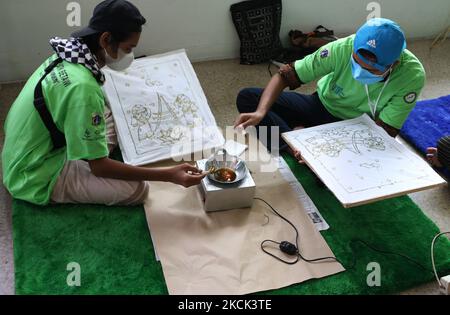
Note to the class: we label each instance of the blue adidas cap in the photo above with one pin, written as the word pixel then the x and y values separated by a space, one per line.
pixel 382 37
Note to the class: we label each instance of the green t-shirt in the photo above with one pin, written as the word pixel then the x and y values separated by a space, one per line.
pixel 346 98
pixel 75 100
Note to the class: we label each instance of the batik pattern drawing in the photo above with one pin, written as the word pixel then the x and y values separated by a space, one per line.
pixel 359 162
pixel 331 142
pixel 358 156
pixel 160 109
pixel 169 124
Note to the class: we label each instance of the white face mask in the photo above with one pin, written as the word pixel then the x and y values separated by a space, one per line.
pixel 122 61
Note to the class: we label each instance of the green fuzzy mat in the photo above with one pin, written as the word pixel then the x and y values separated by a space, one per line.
pixel 112 245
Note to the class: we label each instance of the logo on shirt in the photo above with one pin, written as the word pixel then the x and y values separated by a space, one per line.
pixel 96 119
pixel 372 43
pixel 410 97
pixel 87 134
pixel 92 135
pixel 324 53
pixel 337 89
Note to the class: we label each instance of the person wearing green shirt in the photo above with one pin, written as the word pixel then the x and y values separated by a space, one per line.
pixel 370 72
pixel 58 134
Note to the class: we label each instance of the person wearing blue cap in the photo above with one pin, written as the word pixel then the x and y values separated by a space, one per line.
pixel 57 151
pixel 369 72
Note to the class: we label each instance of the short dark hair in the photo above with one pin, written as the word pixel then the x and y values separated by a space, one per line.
pixel 92 40
pixel 368 55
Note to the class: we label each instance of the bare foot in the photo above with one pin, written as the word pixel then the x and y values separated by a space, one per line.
pixel 296 154
pixel 432 157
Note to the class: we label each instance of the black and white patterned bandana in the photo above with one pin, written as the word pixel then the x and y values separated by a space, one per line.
pixel 75 51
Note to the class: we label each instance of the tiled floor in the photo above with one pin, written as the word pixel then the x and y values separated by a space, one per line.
pixel 221 81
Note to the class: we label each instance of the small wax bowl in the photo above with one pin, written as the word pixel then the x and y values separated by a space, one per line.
pixel 224 165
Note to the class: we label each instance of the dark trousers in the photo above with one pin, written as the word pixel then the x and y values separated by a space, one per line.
pixel 290 110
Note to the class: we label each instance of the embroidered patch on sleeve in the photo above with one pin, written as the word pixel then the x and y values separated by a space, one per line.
pixel 324 53
pixel 410 97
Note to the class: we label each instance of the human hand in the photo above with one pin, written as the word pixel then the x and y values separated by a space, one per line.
pixel 296 154
pixel 248 119
pixel 186 175
pixel 432 157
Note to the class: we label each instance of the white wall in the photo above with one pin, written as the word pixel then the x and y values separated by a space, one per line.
pixel 203 27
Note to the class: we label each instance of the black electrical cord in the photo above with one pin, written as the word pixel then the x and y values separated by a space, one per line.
pixel 386 253
pixel 291 249
pixel 287 247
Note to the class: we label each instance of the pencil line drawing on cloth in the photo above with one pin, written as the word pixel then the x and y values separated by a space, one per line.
pixel 358 160
pixel 158 105
pixel 360 149
pixel 163 123
pixel 332 141
pixel 371 165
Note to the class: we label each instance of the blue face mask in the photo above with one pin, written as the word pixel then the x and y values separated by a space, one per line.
pixel 364 76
